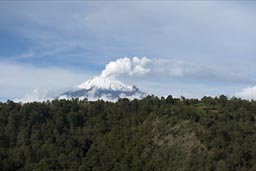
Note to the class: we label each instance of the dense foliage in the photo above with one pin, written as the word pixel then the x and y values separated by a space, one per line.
pixel 152 134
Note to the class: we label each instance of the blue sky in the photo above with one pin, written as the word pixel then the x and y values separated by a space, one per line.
pixel 197 48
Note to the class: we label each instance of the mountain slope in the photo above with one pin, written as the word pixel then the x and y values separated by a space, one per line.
pixel 106 88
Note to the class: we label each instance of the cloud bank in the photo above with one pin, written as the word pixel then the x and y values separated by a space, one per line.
pixel 248 93
pixel 38 95
pixel 18 79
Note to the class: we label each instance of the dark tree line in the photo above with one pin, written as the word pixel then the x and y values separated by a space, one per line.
pixel 152 134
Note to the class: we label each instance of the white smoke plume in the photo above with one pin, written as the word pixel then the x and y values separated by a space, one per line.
pixel 169 68
pixel 122 66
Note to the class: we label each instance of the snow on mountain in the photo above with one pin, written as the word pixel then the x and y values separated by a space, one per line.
pixel 106 88
pixel 108 83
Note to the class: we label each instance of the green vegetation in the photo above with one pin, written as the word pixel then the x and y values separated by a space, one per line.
pixel 152 134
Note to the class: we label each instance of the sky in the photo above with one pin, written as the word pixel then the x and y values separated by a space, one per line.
pixel 189 48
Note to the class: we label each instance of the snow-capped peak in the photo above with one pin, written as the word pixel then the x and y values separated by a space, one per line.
pixel 105 83
pixel 106 88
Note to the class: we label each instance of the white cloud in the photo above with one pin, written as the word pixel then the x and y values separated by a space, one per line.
pixel 38 95
pixel 247 93
pixel 19 79
pixel 126 66
pixel 198 71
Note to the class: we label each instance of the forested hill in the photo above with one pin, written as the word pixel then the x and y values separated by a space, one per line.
pixel 152 134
